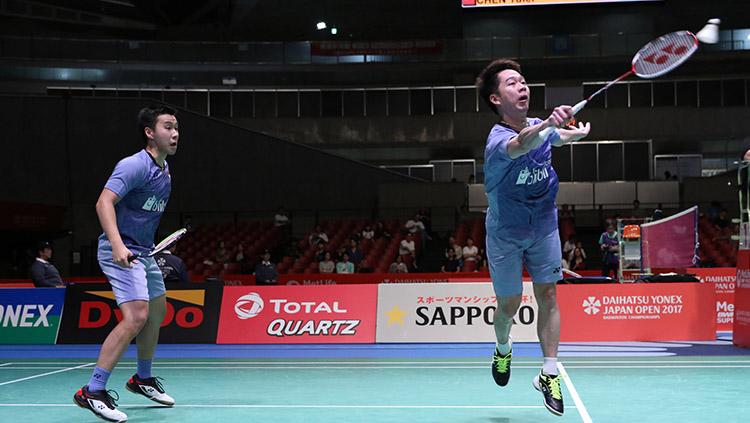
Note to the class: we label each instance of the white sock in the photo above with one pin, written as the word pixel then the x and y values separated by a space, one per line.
pixel 550 366
pixel 505 348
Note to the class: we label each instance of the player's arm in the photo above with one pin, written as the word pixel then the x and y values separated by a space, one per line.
pixel 529 138
pixel 105 210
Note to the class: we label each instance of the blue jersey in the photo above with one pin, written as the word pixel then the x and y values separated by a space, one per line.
pixel 521 192
pixel 143 188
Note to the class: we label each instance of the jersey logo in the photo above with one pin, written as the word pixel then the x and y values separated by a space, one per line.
pixel 154 204
pixel 527 177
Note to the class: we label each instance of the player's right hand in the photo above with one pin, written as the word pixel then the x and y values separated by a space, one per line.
pixel 560 116
pixel 120 255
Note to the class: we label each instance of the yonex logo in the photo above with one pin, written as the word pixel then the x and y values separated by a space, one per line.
pixel 248 306
pixel 591 305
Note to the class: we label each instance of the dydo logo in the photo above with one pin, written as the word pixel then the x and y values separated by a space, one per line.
pixel 248 306
pixel 591 305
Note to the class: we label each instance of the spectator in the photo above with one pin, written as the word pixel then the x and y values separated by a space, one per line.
pixel 172 267
pixel 407 246
pixel 345 266
pixel 470 251
pixel 355 255
pixel 569 246
pixel 318 236
pixel 281 218
pixel 381 231
pixel 723 220
pixel 326 265
pixel 398 266
pixel 364 267
pixel 241 259
pixel 44 273
pixel 222 254
pixel 637 210
pixel 577 261
pixel 265 271
pixel 415 225
pixel 457 250
pixel 609 244
pixel 368 233
pixel 450 265
pixel 320 251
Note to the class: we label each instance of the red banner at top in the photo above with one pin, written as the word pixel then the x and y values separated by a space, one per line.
pixel 380 48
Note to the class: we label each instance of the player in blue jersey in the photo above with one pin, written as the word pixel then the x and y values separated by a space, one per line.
pixel 521 221
pixel 129 209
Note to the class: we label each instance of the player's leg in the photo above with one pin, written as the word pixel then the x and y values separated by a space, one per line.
pixel 543 261
pixel 143 382
pixel 505 263
pixel 131 293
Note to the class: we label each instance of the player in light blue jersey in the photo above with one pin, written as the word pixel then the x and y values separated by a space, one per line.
pixel 521 219
pixel 129 209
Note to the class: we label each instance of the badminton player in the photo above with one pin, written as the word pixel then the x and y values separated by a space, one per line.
pixel 521 219
pixel 129 209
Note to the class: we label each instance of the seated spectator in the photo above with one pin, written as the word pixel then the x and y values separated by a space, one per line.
pixel 457 249
pixel 368 232
pixel 326 265
pixel 355 255
pixel 398 266
pixel 637 210
pixel 723 221
pixel 345 266
pixel 364 267
pixel 265 271
pixel 239 255
pixel 320 251
pixel 222 254
pixel 381 232
pixel 470 251
pixel 43 273
pixel 318 236
pixel 569 246
pixel 577 261
pixel 173 269
pixel 579 246
pixel 281 218
pixel 407 246
pixel 450 265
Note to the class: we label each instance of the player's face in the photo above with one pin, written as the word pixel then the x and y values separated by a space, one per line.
pixel 166 134
pixel 513 93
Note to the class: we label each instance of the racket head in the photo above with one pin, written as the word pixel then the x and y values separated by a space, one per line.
pixel 168 241
pixel 664 54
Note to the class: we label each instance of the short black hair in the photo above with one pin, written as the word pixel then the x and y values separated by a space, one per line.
pixel 487 80
pixel 148 116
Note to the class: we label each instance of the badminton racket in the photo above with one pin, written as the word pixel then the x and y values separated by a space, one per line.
pixel 655 59
pixel 163 245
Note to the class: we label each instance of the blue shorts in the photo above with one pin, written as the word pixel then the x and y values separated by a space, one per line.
pixel 143 281
pixel 542 257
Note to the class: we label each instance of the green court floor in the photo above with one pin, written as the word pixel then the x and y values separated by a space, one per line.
pixel 648 389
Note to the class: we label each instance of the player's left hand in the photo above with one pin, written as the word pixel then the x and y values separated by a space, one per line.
pixel 574 133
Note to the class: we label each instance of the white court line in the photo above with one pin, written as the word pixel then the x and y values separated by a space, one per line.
pixel 379 367
pixel 167 364
pixel 277 406
pixel 5 364
pixel 573 393
pixel 45 374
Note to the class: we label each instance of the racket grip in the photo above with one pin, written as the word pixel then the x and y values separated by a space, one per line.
pixel 544 133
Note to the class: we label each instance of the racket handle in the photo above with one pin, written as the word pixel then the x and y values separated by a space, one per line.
pixel 548 130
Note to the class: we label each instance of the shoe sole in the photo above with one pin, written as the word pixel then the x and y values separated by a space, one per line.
pixel 127 386
pixel 86 406
pixel 550 409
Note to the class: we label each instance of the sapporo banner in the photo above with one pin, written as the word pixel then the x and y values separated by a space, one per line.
pixel 448 312
pixel 298 314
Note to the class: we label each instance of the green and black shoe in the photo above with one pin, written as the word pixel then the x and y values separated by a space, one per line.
pixel 549 386
pixel 501 367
